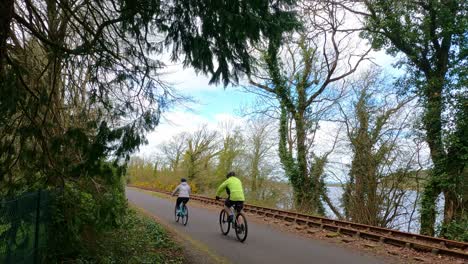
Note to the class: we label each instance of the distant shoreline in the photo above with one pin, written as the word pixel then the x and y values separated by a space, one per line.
pixel 334 185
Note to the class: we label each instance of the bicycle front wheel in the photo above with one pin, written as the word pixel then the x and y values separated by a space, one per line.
pixel 241 227
pixel 224 223
pixel 185 215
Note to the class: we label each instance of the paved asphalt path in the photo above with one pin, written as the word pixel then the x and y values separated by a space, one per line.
pixel 263 245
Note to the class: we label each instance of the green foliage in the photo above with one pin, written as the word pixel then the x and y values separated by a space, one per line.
pixel 432 36
pixel 83 211
pixel 286 156
pixel 376 178
pixel 232 148
pixel 138 239
pixel 204 32
pixel 414 27
pixel 141 170
pixel 197 163
pixel 91 223
pixel 428 205
pixel 455 230
pixel 92 82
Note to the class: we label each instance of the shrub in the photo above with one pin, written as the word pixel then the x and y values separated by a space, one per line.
pixel 456 230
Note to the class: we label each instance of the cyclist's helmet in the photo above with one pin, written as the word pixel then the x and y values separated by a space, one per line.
pixel 183 180
pixel 231 173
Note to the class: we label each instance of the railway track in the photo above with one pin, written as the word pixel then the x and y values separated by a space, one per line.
pixel 383 235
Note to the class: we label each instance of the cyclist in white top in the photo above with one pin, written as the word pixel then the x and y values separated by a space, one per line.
pixel 184 193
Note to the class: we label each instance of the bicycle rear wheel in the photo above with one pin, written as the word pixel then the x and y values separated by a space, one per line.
pixel 241 229
pixel 224 223
pixel 176 217
pixel 185 215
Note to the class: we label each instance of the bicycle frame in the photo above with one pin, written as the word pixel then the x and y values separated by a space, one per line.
pixel 182 211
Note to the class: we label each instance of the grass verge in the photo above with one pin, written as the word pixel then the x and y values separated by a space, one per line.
pixel 139 240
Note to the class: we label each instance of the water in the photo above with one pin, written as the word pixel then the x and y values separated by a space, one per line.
pixel 407 218
pixel 407 215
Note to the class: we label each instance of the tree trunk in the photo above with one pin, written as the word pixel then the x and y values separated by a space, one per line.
pixel 254 174
pixel 307 186
pixel 303 182
pixel 451 206
pixel 433 127
pixel 428 207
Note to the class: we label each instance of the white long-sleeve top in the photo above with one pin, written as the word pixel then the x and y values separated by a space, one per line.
pixel 183 189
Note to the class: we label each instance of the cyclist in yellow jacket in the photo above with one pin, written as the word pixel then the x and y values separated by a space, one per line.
pixel 235 191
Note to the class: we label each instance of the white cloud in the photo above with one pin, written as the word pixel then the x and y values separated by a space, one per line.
pixel 187 80
pixel 180 121
pixel 172 124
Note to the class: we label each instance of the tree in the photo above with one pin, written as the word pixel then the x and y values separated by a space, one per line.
pixel 199 30
pixel 432 37
pixel 230 149
pixel 300 78
pixel 259 145
pixel 95 81
pixel 376 123
pixel 202 146
pixel 174 149
pixel 140 169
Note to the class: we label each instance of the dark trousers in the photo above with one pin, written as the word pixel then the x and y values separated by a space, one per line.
pixel 181 200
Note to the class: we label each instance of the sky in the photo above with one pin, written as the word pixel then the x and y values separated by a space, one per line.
pixel 211 104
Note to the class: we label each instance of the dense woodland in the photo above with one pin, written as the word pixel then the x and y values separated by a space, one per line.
pixel 81 86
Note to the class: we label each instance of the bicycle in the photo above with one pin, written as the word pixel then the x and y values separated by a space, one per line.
pixel 240 229
pixel 183 213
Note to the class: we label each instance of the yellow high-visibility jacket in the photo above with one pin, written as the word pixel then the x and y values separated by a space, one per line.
pixel 235 187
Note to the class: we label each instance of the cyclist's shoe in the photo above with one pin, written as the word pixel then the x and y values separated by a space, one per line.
pixel 230 218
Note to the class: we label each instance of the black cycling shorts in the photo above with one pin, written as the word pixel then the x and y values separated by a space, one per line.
pixel 180 200
pixel 238 205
